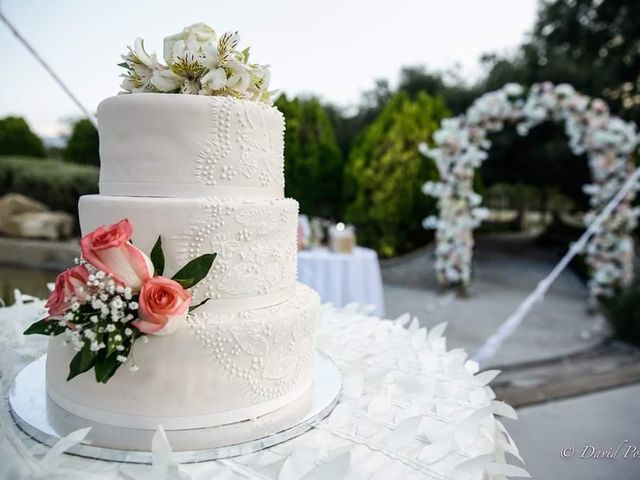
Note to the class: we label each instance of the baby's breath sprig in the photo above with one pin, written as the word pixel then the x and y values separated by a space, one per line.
pixel 101 317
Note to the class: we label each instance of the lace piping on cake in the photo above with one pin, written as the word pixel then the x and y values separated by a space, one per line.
pixel 218 144
pixel 256 248
pixel 260 147
pixel 269 351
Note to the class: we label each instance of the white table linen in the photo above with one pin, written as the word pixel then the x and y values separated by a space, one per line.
pixel 410 409
pixel 341 278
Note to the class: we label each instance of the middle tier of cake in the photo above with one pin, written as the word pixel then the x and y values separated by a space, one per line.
pixel 255 242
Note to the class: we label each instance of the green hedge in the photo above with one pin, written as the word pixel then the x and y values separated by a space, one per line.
pixel 313 163
pixel 385 173
pixel 53 182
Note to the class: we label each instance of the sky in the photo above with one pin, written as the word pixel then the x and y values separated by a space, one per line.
pixel 331 48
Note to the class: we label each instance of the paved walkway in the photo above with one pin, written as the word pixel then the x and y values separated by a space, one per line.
pixel 507 269
pixel 598 422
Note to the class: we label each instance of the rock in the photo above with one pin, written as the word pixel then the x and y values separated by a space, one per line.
pixel 23 217
pixel 14 204
pixel 48 225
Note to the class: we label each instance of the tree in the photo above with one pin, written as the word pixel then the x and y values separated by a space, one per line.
pixel 448 85
pixel 313 162
pixel 349 124
pixel 598 40
pixel 16 138
pixel 590 45
pixel 82 146
pixel 385 173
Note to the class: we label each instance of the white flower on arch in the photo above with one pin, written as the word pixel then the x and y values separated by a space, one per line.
pixel 461 147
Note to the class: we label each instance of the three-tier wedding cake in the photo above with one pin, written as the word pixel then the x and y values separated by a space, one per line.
pixel 205 173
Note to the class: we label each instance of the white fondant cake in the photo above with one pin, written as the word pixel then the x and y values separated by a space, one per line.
pixel 190 146
pixel 255 241
pixel 222 369
pixel 205 174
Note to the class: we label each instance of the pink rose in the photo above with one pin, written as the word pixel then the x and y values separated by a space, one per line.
pixel 70 283
pixel 164 305
pixel 109 249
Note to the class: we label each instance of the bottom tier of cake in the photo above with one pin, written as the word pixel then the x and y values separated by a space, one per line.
pixel 191 440
pixel 220 369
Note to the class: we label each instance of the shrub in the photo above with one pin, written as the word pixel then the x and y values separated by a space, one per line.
pixel 385 174
pixel 16 138
pixel 623 312
pixel 82 146
pixel 313 162
pixel 53 182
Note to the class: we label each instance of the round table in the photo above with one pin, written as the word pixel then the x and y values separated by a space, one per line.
pixel 410 409
pixel 343 278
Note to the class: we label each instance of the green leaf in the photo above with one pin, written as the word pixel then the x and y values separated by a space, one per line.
pixel 124 65
pixel 106 365
pixel 82 362
pixel 195 270
pixel 245 54
pixel 193 307
pixel 44 327
pixel 157 257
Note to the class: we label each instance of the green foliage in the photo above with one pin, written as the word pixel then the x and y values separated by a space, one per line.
pixel 157 257
pixel 83 361
pixel 16 138
pixel 55 183
pixel 385 173
pixel 195 270
pixel 313 162
pixel 596 44
pixel 591 45
pixel 457 96
pixel 44 327
pixel 350 125
pixel 623 312
pixel 541 159
pixel 82 146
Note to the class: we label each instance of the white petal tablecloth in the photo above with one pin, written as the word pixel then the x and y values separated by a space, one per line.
pixel 410 409
pixel 342 278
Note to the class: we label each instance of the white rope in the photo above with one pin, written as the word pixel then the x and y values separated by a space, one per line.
pixel 46 66
pixel 510 325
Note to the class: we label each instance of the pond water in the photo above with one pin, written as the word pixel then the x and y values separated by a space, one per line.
pixel 29 281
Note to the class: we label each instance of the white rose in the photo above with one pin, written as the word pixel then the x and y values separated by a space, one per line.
pixel 198 33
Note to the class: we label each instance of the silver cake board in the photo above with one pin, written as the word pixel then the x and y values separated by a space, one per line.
pixel 40 418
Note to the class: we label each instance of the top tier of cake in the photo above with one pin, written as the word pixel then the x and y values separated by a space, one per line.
pixel 165 145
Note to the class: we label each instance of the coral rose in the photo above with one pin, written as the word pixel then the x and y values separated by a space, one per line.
pixel 69 284
pixel 108 248
pixel 164 305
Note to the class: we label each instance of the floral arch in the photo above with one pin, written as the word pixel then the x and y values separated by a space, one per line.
pixel 461 146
